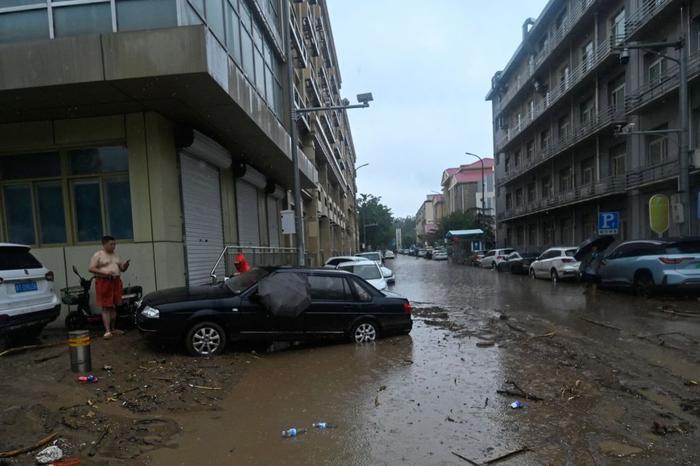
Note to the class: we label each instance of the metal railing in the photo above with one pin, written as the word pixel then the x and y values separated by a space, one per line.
pixel 256 256
pixel 565 86
pixel 598 122
pixel 643 15
pixel 553 41
pixel 652 173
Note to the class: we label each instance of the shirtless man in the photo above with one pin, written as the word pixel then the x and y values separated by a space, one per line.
pixel 106 266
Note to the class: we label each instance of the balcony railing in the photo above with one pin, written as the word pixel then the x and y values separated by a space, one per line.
pixel 643 15
pixel 653 173
pixel 598 122
pixel 604 187
pixel 550 45
pixel 310 35
pixel 603 51
pixel 298 45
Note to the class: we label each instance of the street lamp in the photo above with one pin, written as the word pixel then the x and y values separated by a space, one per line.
pixel 683 103
pixel 294 115
pixel 483 184
pixel 360 166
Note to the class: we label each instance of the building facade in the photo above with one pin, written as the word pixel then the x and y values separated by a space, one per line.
pixel 166 124
pixel 559 106
pixel 429 216
pixel 462 188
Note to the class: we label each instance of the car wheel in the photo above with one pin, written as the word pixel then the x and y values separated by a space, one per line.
pixel 206 339
pixel 533 275
pixel 34 332
pixel 76 320
pixel 554 275
pixel 365 332
pixel 643 285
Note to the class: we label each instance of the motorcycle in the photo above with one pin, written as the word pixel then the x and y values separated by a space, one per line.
pixel 83 316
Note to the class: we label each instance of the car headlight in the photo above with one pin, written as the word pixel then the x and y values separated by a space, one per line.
pixel 139 303
pixel 150 312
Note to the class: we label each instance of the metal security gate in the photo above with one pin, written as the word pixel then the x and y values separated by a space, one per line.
pixel 273 220
pixel 247 213
pixel 204 232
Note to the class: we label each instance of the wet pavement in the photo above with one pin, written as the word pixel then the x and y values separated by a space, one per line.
pixel 607 365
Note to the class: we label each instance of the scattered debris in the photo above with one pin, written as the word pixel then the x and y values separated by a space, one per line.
pixel 49 455
pixel 465 459
pixel 517 405
pixel 546 335
pixel 20 349
pixel 293 432
pixel 50 357
pixel 601 324
pixel 507 455
pixel 95 446
pixel 203 387
pixel 518 392
pixel 618 449
pixel 659 428
pixel 19 451
pixel 485 344
pixel 382 388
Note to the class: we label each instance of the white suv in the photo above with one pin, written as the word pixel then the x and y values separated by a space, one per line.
pixel 556 264
pixel 27 298
pixel 494 256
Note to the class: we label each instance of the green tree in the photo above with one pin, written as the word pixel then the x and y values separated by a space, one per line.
pixel 469 220
pixel 376 221
pixel 408 230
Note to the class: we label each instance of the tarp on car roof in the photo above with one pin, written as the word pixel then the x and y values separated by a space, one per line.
pixel 285 294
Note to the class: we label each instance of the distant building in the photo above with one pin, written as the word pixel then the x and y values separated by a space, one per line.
pixel 461 188
pixel 556 106
pixel 429 216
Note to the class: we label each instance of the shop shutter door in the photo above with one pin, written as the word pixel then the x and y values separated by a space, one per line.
pixel 273 220
pixel 247 209
pixel 204 232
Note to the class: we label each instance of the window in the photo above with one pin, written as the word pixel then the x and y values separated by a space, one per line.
pixel 564 128
pixel 544 140
pixel 134 15
pixel 359 290
pixel 564 78
pixel 617 160
pixel 507 164
pixel 215 17
pixel 233 33
pixel 247 43
pixel 531 109
pixel 82 19
pixel 586 112
pixel 531 195
pixel 509 201
pixel 519 197
pixel 520 235
pixel 516 158
pixel 587 56
pixel 587 172
pixel 564 180
pixel 530 149
pixel 329 288
pixel 657 71
pixel 618 28
pixel 14 258
pixel 94 183
pixel 657 150
pixel 617 93
pixel 532 234
pixel 24 26
pixel 546 187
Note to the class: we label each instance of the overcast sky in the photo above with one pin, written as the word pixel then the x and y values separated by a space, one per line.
pixel 429 65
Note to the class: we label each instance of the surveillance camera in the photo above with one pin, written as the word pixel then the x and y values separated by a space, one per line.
pixel 618 128
pixel 365 98
pixel 345 102
pixel 624 56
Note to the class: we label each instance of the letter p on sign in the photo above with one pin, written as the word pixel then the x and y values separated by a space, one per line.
pixel 608 223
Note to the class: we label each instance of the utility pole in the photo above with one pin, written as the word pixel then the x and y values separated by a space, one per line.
pixel 684 102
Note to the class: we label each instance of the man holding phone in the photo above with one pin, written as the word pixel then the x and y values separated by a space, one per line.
pixel 107 267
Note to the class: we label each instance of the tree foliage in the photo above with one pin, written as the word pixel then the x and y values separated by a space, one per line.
pixel 371 212
pixel 467 221
pixel 408 230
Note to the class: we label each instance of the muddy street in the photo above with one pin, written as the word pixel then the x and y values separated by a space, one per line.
pixel 603 378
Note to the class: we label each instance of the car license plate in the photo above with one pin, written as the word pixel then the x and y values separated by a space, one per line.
pixel 25 286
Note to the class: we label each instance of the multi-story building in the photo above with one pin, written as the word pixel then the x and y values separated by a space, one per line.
pixel 429 216
pixel 166 124
pixel 462 188
pixel 557 110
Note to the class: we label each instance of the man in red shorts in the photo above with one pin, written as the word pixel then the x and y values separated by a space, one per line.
pixel 107 267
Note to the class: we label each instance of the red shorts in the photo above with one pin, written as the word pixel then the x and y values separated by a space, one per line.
pixel 108 292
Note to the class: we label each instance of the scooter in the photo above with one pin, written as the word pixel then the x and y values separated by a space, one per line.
pixel 83 316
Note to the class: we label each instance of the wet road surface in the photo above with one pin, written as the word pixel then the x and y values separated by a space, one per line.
pixel 596 359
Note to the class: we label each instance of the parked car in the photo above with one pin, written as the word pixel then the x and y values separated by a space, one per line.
pixel 440 255
pixel 334 262
pixel 517 263
pixel 490 258
pixel 389 255
pixel 205 318
pixel 27 298
pixel 388 275
pixel 369 271
pixel 556 264
pixel 475 258
pixel 648 266
pixel 375 256
pixel 421 253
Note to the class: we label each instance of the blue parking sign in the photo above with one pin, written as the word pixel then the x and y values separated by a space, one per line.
pixel 608 223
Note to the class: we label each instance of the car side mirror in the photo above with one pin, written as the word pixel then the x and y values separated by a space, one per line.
pixel 386 273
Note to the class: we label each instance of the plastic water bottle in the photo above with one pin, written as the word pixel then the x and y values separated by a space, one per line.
pixel 87 378
pixel 323 425
pixel 293 432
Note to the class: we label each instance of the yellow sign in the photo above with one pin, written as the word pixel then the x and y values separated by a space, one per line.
pixel 659 213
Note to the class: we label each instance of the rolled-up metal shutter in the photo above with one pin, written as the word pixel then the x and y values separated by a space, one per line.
pixel 247 210
pixel 204 232
pixel 273 220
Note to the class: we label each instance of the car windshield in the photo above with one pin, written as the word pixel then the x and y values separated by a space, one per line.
pixel 242 282
pixel 366 271
pixel 570 252
pixel 15 258
pixel 689 247
pixel 373 256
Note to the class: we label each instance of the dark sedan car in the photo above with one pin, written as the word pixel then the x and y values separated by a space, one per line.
pixel 206 317
pixel 517 263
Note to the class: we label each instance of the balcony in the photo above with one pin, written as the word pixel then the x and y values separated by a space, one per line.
pixel 651 92
pixel 606 187
pixel 653 174
pixel 600 121
pixel 325 50
pixel 646 16
pixel 298 46
pixel 310 35
pixel 565 87
pixel 551 44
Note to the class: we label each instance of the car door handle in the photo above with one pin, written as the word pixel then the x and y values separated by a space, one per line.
pixel 235 309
